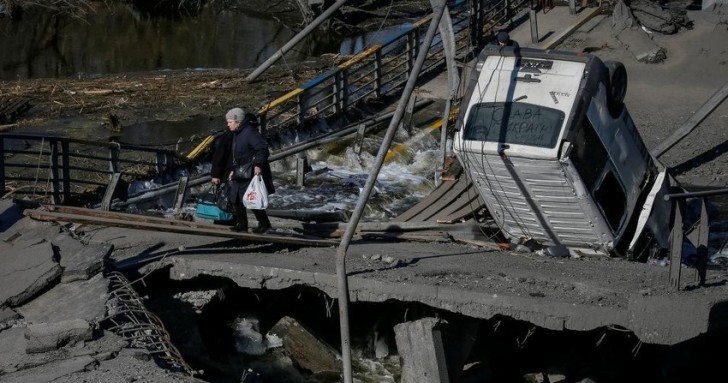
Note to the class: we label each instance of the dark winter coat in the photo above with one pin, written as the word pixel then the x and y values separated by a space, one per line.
pixel 249 143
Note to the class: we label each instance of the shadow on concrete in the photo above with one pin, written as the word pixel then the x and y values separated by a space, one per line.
pixel 11 213
pixel 154 252
pixel 707 156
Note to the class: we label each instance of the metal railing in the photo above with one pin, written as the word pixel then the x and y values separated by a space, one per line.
pixel 63 169
pixel 381 70
pixel 698 234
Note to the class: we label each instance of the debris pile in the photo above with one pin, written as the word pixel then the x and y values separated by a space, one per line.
pixel 53 314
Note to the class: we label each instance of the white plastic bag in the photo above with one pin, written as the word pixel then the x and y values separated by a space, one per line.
pixel 256 196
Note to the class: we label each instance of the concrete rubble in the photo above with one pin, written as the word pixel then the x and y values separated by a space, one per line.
pixel 52 303
pixel 635 37
pixel 306 350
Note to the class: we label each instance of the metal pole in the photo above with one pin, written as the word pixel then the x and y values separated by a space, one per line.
pixel 343 283
pixel 295 40
pixel 2 166
pixel 705 193
pixel 448 44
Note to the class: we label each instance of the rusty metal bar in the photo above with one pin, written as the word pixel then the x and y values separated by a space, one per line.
pixel 2 166
pixel 701 261
pixel 55 182
pixel 704 193
pixel 66 170
pixel 676 241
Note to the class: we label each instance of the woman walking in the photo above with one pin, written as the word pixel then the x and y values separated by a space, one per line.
pixel 242 143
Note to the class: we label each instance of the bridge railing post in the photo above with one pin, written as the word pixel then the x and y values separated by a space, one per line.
pixel 55 182
pixel 2 166
pixel 66 166
pixel 303 105
pixel 378 73
pixel 336 92
pixel 113 160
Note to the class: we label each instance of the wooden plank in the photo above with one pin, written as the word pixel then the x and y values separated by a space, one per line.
pixel 110 188
pixel 465 198
pixel 179 197
pixel 462 209
pixel 172 226
pixel 463 213
pixel 435 195
pixel 126 216
pixel 436 205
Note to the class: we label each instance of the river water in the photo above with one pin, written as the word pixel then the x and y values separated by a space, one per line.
pixel 119 39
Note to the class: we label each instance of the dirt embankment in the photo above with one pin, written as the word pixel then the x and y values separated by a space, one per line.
pixel 177 95
pixel 169 95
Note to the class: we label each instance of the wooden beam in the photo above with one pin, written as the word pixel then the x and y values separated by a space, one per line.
pixel 131 221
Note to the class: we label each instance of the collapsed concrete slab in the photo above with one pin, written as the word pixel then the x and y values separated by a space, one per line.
pixel 80 261
pixel 67 301
pixel 305 349
pixel 7 317
pixel 12 349
pixel 420 345
pixel 44 337
pixel 27 267
pixel 51 371
pixel 435 350
pixel 576 294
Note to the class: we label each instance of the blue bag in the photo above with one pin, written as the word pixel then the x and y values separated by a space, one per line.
pixel 214 205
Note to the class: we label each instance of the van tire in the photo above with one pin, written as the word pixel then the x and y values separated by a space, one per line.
pixel 617 86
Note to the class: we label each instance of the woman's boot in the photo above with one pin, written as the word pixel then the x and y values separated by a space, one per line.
pixel 241 216
pixel 263 222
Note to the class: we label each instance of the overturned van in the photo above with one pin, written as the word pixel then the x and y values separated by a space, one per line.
pixel 548 143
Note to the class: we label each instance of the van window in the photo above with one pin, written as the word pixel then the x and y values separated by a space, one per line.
pixel 517 123
pixel 589 155
pixel 610 198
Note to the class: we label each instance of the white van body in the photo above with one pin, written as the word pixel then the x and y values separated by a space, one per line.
pixel 555 155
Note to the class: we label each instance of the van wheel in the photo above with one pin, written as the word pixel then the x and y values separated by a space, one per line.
pixel 617 85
